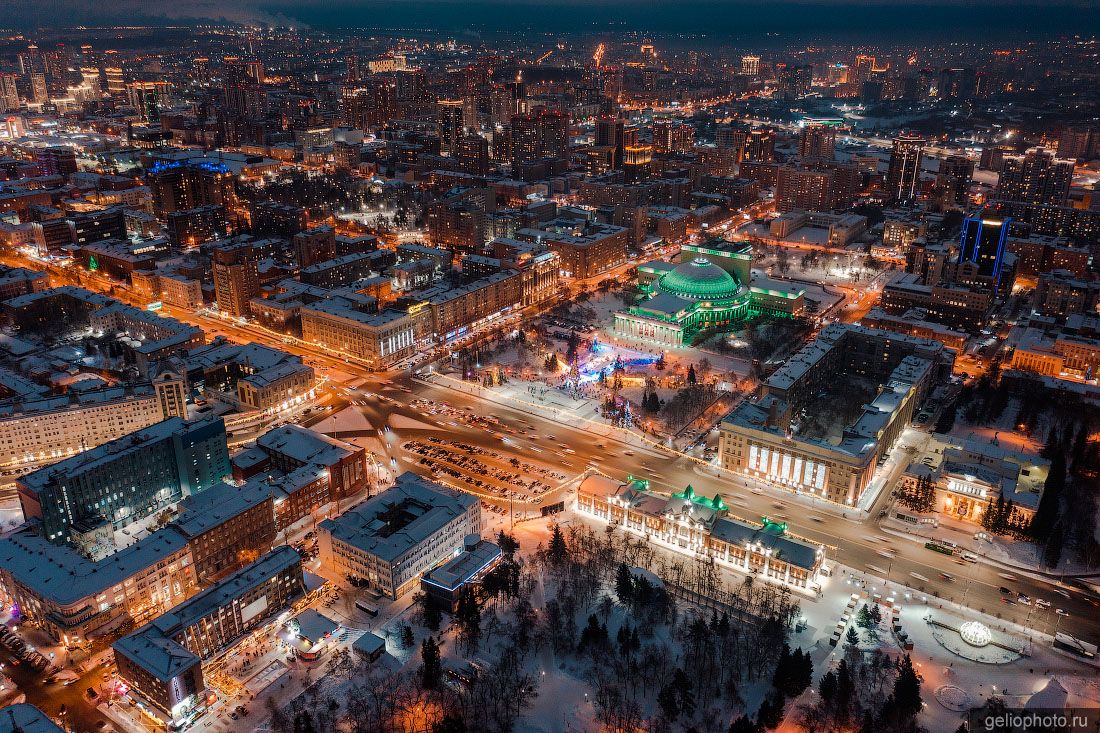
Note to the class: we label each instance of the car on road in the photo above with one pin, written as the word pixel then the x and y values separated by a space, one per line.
pixel 91 693
pixel 947 576
pixel 1005 591
pixel 1060 612
pixel 969 557
pixel 1023 600
pixel 1042 603
pixel 1008 601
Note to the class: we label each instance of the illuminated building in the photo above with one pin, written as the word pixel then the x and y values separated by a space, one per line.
pixel 954 178
pixel 970 476
pixel 43 429
pixel 188 228
pixel 379 338
pixel 1060 293
pixel 445 582
pixel 637 161
pixel 1069 351
pixel 544 134
pixel 161 662
pixel 817 140
pixel 245 96
pixel 292 447
pixel 765 437
pixel 227 527
pixel 750 65
pixel 759 145
pixel 388 541
pixel 903 174
pixel 584 249
pixel 708 289
pixel 672 137
pixel 982 244
pixel 116 81
pixel 236 278
pixel 73 598
pixel 451 116
pixel 185 185
pixel 56 160
pixel 1035 178
pixel 953 304
pixel 125 480
pixel 148 98
pixel 9 93
pixel 916 323
pixel 804 190
pixel 691 523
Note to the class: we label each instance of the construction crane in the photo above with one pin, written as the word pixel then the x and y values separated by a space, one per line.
pixel 598 56
pixel 544 57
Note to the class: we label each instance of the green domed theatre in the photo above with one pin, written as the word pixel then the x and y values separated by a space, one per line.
pixel 709 288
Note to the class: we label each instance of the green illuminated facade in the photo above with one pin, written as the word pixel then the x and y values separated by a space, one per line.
pixel 709 288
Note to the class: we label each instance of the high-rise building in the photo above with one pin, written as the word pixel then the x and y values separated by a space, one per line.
pixel 39 91
pixel 353 70
pixel 1036 177
pixel 89 77
pixel 610 134
pixel 9 93
pixel 953 179
pixel 637 163
pixel 346 156
pixel 541 135
pixel 903 175
pixel 236 278
pixel 116 81
pixel 56 160
pixel 671 137
pixel 750 65
pixel 184 185
pixel 472 154
pixel 245 96
pixel 817 141
pixel 760 145
pixel 148 97
pixel 983 243
pixel 861 70
pixel 804 190
pixel 451 116
pixel 1078 142
pixel 795 80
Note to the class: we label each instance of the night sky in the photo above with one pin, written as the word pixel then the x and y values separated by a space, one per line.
pixel 981 21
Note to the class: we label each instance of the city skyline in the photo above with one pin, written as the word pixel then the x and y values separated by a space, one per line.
pixel 545 368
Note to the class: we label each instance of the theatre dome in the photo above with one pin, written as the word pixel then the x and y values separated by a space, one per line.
pixel 700 280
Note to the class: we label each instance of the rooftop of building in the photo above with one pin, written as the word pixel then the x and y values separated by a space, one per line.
pixel 459 570
pixel 63 575
pixel 95 457
pixel 152 647
pixel 711 512
pixel 306 446
pixel 400 518
pixel 26 718
pixel 70 291
pixel 209 509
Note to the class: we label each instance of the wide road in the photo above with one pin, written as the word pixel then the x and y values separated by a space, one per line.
pixel 858 545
